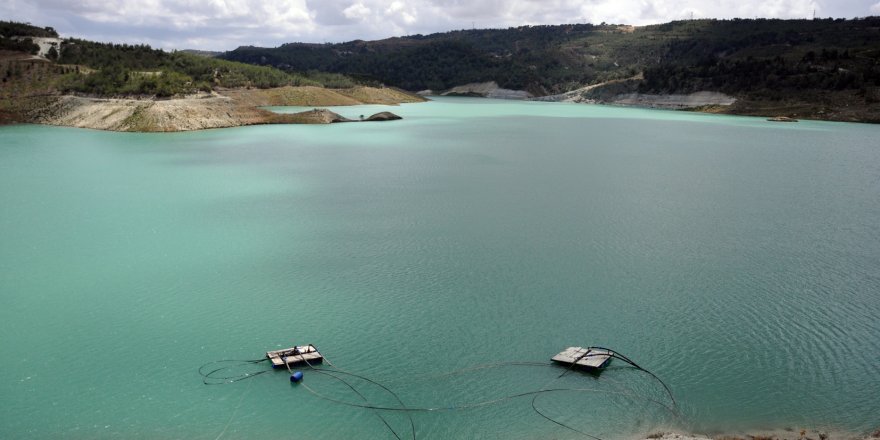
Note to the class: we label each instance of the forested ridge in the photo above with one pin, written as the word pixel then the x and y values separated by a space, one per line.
pixel 773 60
pixel 823 68
pixel 762 57
pixel 519 58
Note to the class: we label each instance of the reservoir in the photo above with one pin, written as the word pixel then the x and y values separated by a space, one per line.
pixel 447 256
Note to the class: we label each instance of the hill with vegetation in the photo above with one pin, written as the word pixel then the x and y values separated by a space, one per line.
pixel 106 69
pixel 127 87
pixel 815 67
pixel 123 69
pixel 9 30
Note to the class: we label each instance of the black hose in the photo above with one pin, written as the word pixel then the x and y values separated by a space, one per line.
pixel 403 408
pixel 535 397
pixel 613 354
pixel 221 380
pixel 387 425
pixel 337 370
pixel 629 361
pixel 469 405
pixel 535 408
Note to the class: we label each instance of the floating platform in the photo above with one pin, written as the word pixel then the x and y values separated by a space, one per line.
pixel 590 358
pixel 294 355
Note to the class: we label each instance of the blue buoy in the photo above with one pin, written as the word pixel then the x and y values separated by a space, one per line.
pixel 296 376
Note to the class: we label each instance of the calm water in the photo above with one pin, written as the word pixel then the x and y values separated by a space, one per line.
pixel 737 259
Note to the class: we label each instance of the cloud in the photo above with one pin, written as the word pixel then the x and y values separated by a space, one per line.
pixel 399 10
pixel 212 24
pixel 328 12
pixel 226 24
pixel 356 11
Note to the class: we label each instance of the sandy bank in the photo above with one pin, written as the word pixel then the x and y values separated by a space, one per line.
pixel 228 108
pixel 615 92
pixel 777 434
pixel 184 114
pixel 674 102
pixel 623 92
pixel 588 94
pixel 384 96
pixel 487 90
pixel 316 96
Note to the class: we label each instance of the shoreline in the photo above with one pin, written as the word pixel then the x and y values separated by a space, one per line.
pixel 843 106
pixel 765 434
pixel 227 108
pixel 219 109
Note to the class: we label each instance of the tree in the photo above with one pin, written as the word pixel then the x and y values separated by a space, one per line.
pixel 52 54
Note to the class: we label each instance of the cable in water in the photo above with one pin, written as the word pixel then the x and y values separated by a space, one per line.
pixel 210 378
pixel 322 371
pixel 221 380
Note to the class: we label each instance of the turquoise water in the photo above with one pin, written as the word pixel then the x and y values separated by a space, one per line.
pixel 737 259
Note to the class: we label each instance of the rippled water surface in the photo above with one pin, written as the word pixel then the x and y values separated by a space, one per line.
pixel 737 259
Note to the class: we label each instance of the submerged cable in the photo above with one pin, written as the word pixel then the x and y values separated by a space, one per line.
pixel 232 416
pixel 620 356
pixel 469 405
pixel 210 378
pixel 337 370
pixel 535 408
pixel 535 397
pixel 221 380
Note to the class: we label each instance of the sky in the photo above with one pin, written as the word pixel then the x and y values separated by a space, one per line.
pixel 226 24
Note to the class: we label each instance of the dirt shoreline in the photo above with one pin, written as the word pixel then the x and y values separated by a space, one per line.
pixel 775 434
pixel 220 109
pixel 240 107
pixel 838 106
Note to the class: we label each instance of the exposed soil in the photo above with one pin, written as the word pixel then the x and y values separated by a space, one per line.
pixel 228 108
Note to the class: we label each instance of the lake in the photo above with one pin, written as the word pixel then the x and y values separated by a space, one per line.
pixel 736 259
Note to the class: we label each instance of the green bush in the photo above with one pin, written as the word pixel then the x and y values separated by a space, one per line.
pixel 23 45
pixel 13 28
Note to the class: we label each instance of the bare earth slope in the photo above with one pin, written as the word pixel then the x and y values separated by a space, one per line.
pixel 229 108
pixel 147 115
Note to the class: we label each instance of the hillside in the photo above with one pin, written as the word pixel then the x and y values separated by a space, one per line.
pixel 106 69
pixel 820 69
pixel 828 69
pixel 123 87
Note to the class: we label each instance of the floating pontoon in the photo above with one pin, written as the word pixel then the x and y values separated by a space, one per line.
pixel 591 358
pixel 294 355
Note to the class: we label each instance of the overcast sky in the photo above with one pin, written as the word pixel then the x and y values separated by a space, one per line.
pixel 227 24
